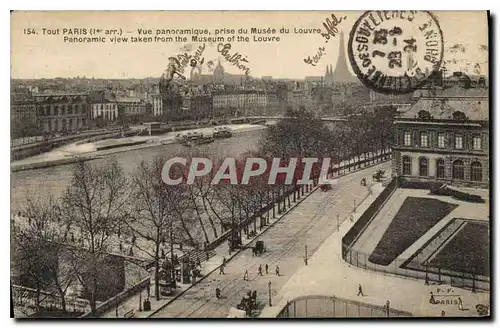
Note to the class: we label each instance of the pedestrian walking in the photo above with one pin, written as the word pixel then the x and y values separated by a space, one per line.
pixel 267 268
pixel 221 269
pixel 224 260
pixel 360 290
pixel 217 292
pixel 460 304
pixel 277 270
pixel 245 276
pixel 260 270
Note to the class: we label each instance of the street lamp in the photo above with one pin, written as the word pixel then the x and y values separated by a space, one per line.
pixel 305 256
pixel 140 300
pixel 269 284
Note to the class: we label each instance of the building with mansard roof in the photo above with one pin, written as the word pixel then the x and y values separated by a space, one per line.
pixel 103 105
pixel 445 138
pixel 62 112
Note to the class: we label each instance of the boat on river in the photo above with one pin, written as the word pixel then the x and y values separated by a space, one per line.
pixel 222 132
pixel 195 139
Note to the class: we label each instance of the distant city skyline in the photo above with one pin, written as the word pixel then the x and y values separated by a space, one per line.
pixel 37 56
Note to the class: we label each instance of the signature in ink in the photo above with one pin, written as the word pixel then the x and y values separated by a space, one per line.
pixel 313 61
pixel 330 26
pixel 235 59
pixel 177 64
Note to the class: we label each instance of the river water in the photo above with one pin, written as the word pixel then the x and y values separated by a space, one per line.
pixel 54 180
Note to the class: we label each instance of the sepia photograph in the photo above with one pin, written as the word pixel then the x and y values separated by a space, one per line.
pixel 250 164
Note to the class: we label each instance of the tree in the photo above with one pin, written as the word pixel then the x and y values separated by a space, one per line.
pixel 23 127
pixel 303 135
pixel 35 248
pixel 95 203
pixel 123 118
pixel 153 211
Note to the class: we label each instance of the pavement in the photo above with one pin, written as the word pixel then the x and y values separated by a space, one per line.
pixel 335 277
pixel 308 224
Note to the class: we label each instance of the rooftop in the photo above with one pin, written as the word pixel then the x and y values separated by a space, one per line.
pixel 474 105
pixel 454 91
pixel 60 94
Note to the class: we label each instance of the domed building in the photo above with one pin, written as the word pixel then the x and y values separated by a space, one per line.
pixel 219 76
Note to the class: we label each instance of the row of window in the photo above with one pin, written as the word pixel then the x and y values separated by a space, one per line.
pixel 68 125
pixel 476 169
pixel 441 140
pixel 108 115
pixel 61 110
pixel 105 106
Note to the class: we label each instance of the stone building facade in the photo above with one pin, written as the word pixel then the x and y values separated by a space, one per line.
pixel 62 112
pixel 444 139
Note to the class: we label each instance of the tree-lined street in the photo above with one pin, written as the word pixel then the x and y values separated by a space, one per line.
pixel 308 224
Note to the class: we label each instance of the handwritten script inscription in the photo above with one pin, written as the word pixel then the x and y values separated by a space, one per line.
pixel 235 59
pixel 330 26
pixel 331 30
pixel 177 64
pixel 316 58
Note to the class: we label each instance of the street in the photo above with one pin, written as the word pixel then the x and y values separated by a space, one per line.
pixel 309 224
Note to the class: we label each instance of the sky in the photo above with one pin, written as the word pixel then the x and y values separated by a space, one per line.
pixel 48 56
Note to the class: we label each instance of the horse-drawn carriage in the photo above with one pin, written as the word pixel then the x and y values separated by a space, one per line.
pixel 378 176
pixel 248 303
pixel 259 248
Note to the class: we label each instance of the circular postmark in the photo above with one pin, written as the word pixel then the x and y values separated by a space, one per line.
pixel 395 51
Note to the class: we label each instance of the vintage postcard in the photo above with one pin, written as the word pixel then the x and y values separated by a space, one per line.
pixel 250 164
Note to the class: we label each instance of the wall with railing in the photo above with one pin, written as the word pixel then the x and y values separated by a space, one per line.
pixel 118 298
pixel 26 297
pixel 368 215
pixel 334 307
pixel 418 270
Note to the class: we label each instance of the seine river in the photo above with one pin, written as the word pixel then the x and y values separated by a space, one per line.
pixel 54 180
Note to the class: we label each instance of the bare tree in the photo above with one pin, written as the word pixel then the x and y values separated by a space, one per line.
pixel 35 250
pixel 153 211
pixel 95 203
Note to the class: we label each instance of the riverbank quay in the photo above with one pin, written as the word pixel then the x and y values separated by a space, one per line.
pixel 88 151
pixel 28 150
